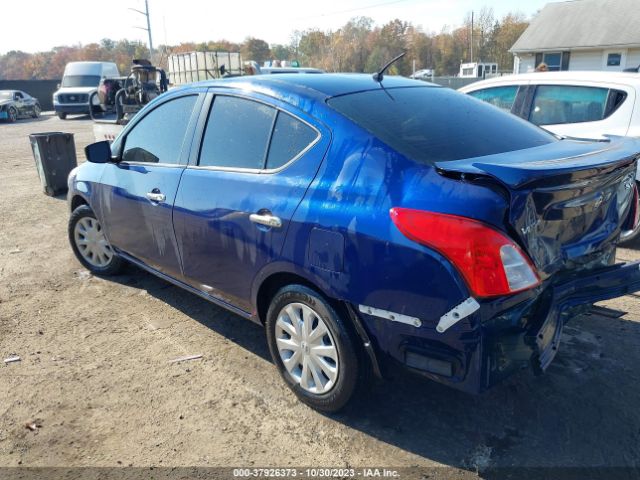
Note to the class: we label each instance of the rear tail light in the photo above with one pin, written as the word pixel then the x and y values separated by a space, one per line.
pixel 490 262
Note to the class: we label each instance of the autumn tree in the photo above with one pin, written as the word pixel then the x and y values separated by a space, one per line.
pixel 255 49
pixel 357 46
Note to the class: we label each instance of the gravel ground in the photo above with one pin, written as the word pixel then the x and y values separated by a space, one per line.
pixel 96 382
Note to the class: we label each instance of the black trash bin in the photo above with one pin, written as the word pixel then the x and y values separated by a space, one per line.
pixel 55 156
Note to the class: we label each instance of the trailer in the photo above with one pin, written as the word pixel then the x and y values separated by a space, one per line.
pixel 196 66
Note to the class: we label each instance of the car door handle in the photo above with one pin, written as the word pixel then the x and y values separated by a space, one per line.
pixel 156 196
pixel 266 219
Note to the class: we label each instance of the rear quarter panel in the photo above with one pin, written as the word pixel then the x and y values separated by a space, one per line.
pixel 342 237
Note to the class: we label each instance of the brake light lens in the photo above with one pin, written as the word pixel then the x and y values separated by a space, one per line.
pixel 490 262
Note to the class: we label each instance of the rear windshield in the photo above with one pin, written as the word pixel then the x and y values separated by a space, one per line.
pixel 80 81
pixel 433 124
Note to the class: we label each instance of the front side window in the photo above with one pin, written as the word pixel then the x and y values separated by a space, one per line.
pixel 435 124
pixel 558 104
pixel 237 133
pixel 159 136
pixel 501 97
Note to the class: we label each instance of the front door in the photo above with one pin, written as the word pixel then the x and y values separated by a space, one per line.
pixel 137 194
pixel 233 208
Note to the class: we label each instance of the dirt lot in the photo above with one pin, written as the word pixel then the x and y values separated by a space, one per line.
pixel 95 375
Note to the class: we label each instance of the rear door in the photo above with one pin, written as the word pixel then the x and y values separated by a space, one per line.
pixel 255 161
pixel 137 194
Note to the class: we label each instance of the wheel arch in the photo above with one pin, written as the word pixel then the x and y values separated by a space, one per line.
pixel 76 201
pixel 271 283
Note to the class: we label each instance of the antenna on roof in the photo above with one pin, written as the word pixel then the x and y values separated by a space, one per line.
pixel 378 76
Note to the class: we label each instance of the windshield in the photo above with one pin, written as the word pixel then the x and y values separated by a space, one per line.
pixel 6 95
pixel 80 81
pixel 435 124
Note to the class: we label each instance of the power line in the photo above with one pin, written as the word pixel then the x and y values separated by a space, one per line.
pixel 353 9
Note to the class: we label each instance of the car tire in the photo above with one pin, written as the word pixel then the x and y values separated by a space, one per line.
pixel 13 115
pixel 90 245
pixel 36 110
pixel 62 115
pixel 629 236
pixel 327 369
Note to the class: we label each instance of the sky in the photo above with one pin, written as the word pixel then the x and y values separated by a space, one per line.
pixel 69 22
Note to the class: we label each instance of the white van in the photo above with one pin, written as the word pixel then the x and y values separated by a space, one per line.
pixel 79 81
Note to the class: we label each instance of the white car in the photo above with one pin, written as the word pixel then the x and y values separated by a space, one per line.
pixel 424 74
pixel 580 104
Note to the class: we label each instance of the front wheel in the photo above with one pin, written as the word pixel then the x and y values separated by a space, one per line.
pixel 62 115
pixel 36 110
pixel 313 348
pixel 90 245
pixel 13 115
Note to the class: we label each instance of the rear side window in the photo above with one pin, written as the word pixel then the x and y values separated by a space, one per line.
pixel 237 133
pixel 158 137
pixel 242 133
pixel 501 97
pixel 434 124
pixel 558 104
pixel 290 138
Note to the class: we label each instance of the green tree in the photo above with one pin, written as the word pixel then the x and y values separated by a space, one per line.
pixel 281 52
pixel 255 49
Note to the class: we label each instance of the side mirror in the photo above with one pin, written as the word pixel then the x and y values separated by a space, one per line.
pixel 99 152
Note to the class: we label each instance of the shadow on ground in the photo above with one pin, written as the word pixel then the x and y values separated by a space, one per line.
pixel 583 412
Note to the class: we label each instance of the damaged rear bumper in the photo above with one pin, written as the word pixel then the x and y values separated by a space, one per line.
pixel 503 335
pixel 533 337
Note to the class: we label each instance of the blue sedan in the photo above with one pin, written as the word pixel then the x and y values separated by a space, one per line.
pixel 367 223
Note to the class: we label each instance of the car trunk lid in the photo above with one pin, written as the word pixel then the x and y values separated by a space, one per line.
pixel 567 200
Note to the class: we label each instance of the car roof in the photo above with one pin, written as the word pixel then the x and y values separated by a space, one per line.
pixel 629 78
pixel 312 86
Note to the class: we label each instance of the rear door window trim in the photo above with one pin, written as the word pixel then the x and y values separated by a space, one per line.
pixel 202 126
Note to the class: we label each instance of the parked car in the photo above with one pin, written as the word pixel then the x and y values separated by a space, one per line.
pixel 15 104
pixel 424 74
pixel 576 104
pixel 79 82
pixel 365 224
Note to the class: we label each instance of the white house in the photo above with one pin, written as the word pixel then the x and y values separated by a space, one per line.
pixel 581 35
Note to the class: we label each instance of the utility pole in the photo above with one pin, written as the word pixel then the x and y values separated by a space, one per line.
pixel 470 42
pixel 148 29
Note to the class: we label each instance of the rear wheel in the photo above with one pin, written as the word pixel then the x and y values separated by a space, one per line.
pixel 62 115
pixel 90 245
pixel 313 348
pixel 36 110
pixel 13 115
